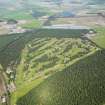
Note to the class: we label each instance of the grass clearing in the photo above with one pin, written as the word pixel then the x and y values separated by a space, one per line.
pixel 99 38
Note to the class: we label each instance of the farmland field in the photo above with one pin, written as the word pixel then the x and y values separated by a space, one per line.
pixel 32 24
pixel 91 21
pixel 15 15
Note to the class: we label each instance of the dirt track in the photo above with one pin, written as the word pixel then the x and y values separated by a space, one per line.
pixel 3 90
pixel 2 85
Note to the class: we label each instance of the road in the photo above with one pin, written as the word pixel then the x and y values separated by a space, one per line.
pixel 3 90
